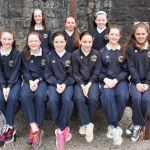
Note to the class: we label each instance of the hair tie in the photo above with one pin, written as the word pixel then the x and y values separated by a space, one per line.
pixel 100 12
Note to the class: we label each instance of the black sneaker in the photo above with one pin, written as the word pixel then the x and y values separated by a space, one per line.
pixel 2 140
pixel 129 128
pixel 136 134
pixel 10 135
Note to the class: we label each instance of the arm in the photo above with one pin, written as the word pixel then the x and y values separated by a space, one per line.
pixel 50 41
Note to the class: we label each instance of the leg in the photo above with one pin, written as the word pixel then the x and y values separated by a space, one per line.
pixel 66 108
pixel 121 96
pixel 3 103
pixel 82 107
pixel 109 104
pixel 54 103
pixel 92 100
pixel 137 116
pixel 40 100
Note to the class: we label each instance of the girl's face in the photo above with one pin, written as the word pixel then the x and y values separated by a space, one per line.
pixel 101 21
pixel 59 43
pixel 86 43
pixel 141 35
pixel 7 40
pixel 34 42
pixel 70 24
pixel 114 36
pixel 38 16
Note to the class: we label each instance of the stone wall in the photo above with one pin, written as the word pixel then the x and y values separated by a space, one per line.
pixel 16 14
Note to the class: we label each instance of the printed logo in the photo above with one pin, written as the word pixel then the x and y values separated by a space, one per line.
pixel 67 63
pixel 105 37
pixel 135 51
pixel 31 61
pixel 120 58
pixel 107 56
pixel 11 63
pixel 94 58
pixel 81 57
pixel 43 62
pixel 45 36
pixel 53 61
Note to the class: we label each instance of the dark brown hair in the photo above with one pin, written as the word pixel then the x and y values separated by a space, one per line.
pixel 75 34
pixel 32 22
pixel 122 45
pixel 27 48
pixel 95 16
pixel 132 39
pixel 59 33
pixel 8 31
pixel 85 33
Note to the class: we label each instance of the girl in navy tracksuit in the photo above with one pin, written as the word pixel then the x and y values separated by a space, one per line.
pixel 100 30
pixel 33 94
pixel 72 33
pixel 114 83
pixel 86 68
pixel 10 82
pixel 138 58
pixel 58 74
pixel 38 24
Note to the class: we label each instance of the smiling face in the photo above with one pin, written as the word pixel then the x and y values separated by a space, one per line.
pixel 141 35
pixel 70 23
pixel 34 42
pixel 114 35
pixel 86 43
pixel 101 21
pixel 59 43
pixel 38 16
pixel 7 40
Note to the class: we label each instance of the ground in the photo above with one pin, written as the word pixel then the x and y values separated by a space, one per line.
pixel 77 142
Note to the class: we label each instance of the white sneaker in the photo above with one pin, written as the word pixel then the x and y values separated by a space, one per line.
pixel 89 132
pixel 110 133
pixel 82 130
pixel 117 139
pixel 120 130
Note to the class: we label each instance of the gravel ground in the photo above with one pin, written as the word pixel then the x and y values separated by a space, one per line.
pixel 77 142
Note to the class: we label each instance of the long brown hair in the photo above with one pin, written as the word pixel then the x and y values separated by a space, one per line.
pixel 76 33
pixel 8 31
pixel 132 39
pixel 27 48
pixel 122 45
pixel 32 22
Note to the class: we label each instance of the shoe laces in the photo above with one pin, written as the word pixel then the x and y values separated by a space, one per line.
pixel 3 138
pixel 36 137
pixel 9 132
pixel 30 135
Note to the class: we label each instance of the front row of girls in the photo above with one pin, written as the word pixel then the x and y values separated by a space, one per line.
pixel 81 79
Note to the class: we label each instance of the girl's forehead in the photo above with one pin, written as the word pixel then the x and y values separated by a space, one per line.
pixel 101 16
pixel 6 34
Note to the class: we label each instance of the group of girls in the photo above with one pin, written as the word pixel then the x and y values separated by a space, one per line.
pixel 64 69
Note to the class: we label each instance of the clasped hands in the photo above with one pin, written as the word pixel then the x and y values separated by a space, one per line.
pixel 110 83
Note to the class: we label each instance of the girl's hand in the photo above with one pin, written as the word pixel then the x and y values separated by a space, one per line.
pixel 86 89
pixel 33 85
pixel 145 86
pixel 58 88
pixel 63 87
pixel 6 93
pixel 140 87
pixel 108 83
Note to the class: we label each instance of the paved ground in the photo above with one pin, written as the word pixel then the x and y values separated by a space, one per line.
pixel 77 142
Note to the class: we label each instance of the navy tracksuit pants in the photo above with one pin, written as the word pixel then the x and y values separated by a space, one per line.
pixel 86 107
pixel 60 105
pixel 140 105
pixel 114 101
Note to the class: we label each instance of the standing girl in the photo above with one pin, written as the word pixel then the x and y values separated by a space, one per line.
pixel 10 82
pixel 86 68
pixel 114 83
pixel 33 94
pixel 138 58
pixel 38 24
pixel 72 33
pixel 58 74
pixel 100 30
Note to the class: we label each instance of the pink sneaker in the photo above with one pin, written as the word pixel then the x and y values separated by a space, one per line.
pixel 60 140
pixel 30 138
pixel 67 134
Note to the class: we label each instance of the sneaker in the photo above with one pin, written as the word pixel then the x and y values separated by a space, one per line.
pixel 60 140
pixel 110 133
pixel 136 134
pixel 82 130
pixel 36 142
pixel 89 132
pixel 129 129
pixel 30 138
pixel 67 134
pixel 117 139
pixel 10 135
pixel 2 140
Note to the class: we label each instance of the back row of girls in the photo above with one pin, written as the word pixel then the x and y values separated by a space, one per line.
pixel 75 78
